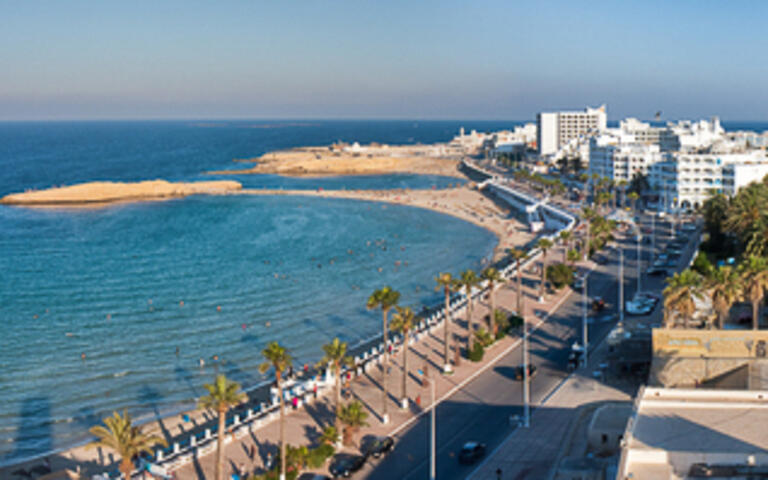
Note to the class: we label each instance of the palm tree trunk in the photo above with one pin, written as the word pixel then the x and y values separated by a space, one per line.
pixel 384 392
pixel 220 445
pixel 405 362
pixel 282 424
pixel 755 311
pixel 469 320
pixel 492 316
pixel 543 271
pixel 337 422
pixel 126 467
pixel 447 322
pixel 519 290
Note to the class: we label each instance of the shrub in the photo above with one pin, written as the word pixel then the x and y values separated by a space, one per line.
pixel 317 456
pixel 515 321
pixel 560 275
pixel 477 352
pixel 502 323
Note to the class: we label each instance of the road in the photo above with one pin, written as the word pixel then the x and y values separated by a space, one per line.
pixel 480 411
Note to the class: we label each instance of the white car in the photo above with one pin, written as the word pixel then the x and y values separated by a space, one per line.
pixel 639 307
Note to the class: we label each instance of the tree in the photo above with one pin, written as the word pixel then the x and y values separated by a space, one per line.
pixel 385 298
pixel 223 394
pixel 469 280
pixel 747 215
pixel 336 356
pixel 403 322
pixel 754 277
pixel 623 187
pixel 448 285
pixel 679 295
pixel 633 196
pixel 518 255
pixel 565 237
pixel 573 256
pixel 639 184
pixel 353 416
pixel 724 284
pixel 544 244
pixel 277 357
pixel 560 275
pixel 494 279
pixel 587 214
pixel 119 434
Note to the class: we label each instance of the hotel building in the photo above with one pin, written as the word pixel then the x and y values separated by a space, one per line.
pixel 556 129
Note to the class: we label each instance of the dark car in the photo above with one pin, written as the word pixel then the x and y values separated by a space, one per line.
pixel 313 476
pixel 519 371
pixel 380 446
pixel 471 452
pixel 346 465
pixel 598 304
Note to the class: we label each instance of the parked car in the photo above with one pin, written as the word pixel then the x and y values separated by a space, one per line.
pixel 578 283
pixel 380 446
pixel 598 304
pixel 313 476
pixel 656 270
pixel 345 465
pixel 519 371
pixel 640 306
pixel 471 452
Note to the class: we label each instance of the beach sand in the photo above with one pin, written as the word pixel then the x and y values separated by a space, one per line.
pixel 100 193
pixel 321 161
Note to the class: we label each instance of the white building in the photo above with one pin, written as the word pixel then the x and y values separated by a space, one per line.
pixel 556 129
pixel 680 433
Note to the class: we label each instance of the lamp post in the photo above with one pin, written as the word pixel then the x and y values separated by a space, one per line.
pixel 433 406
pixel 526 386
pixel 639 263
pixel 621 286
pixel 584 326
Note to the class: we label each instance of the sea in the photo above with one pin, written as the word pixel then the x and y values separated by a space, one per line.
pixel 114 308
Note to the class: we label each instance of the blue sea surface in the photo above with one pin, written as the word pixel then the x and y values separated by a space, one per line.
pixel 127 285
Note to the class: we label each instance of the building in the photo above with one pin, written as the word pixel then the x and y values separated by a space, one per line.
pixel 682 433
pixel 554 130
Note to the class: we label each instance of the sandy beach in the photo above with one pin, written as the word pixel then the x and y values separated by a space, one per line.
pixel 100 193
pixel 321 161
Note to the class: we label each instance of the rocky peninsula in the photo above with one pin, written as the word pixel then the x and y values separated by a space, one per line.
pixel 100 193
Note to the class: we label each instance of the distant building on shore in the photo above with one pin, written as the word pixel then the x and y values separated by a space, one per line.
pixel 556 129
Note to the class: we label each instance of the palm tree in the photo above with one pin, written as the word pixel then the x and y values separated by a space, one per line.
pixel 633 196
pixel 119 434
pixel 565 237
pixel 223 394
pixel 724 284
pixel 448 285
pixel 754 277
pixel 385 298
pixel 588 214
pixel 277 357
pixel 353 416
pixel 681 290
pixel 573 256
pixel 468 281
pixel 519 255
pixel 623 186
pixel 494 278
pixel 544 244
pixel 336 356
pixel 747 215
pixel 402 322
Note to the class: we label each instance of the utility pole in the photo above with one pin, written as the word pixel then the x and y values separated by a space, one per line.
pixel 584 326
pixel 526 386
pixel 621 286
pixel 639 263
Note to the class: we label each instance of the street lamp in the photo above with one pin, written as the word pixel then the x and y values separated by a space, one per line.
pixel 639 263
pixel 584 327
pixel 621 286
pixel 433 406
pixel 526 386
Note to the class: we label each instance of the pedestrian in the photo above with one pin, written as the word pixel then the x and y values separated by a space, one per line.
pixel 498 473
pixel 268 464
pixel 314 390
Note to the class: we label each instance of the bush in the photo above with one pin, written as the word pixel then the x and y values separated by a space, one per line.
pixel 477 352
pixel 560 275
pixel 515 321
pixel 317 456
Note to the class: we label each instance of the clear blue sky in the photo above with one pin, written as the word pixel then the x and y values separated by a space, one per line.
pixel 381 59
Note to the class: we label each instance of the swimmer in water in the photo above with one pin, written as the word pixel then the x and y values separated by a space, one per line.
pixel 177 351
pixel 201 362
pixel 181 303
pixel 82 356
pixel 268 324
pixel 218 308
pixel 215 358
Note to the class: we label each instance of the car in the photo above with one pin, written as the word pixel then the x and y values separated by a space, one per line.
pixel 688 227
pixel 598 304
pixel 639 307
pixel 380 446
pixel 574 360
pixel 656 270
pixel 600 259
pixel 471 452
pixel 345 465
pixel 519 371
pixel 578 283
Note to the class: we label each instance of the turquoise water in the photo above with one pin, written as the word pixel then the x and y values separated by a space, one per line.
pixel 109 283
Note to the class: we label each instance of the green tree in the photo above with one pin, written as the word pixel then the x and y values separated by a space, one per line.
pixel 633 196
pixel 469 280
pixel 336 356
pixel 747 215
pixel 385 299
pixel 679 295
pixel 494 279
pixel 448 285
pixel 565 238
pixel 353 416
pixel 223 394
pixel 573 256
pixel 724 285
pixel 119 434
pixel 544 244
pixel 277 357
pixel 560 275
pixel 403 322
pixel 754 278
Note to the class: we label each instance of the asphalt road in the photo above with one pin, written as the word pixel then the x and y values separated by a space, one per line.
pixel 480 411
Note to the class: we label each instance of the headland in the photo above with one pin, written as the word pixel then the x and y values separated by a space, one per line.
pixel 102 193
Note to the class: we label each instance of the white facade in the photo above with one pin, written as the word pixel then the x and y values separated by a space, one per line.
pixel 557 129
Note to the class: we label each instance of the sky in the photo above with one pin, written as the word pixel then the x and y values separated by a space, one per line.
pixel 381 59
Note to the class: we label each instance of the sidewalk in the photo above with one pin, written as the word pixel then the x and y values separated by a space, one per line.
pixel 534 452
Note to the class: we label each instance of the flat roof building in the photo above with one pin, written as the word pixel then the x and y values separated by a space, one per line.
pixel 556 129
